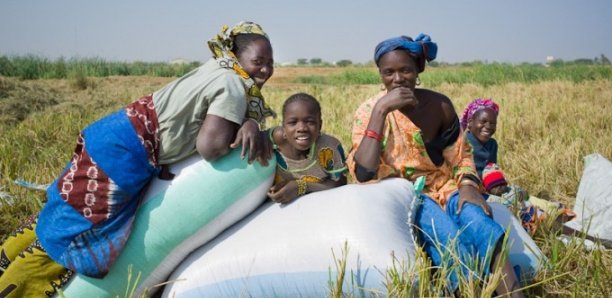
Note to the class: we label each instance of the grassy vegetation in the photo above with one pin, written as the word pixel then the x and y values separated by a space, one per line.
pixel 550 119
pixel 34 67
pixel 485 75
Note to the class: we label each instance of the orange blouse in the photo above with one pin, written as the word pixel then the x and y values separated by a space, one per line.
pixel 404 154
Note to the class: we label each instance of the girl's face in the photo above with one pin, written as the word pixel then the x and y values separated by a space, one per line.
pixel 483 124
pixel 398 69
pixel 256 59
pixel 302 124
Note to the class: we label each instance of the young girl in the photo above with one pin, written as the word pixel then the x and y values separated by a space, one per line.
pixel 480 120
pixel 307 160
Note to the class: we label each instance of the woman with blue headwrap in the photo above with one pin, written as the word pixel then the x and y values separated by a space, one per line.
pixel 413 133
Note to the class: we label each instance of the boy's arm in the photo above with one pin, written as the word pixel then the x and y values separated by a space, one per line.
pixel 291 190
pixel 327 184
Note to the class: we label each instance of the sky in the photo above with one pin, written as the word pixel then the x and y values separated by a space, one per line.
pixel 160 30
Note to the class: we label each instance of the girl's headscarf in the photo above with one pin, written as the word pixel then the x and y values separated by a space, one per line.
pixel 422 47
pixel 221 47
pixel 475 106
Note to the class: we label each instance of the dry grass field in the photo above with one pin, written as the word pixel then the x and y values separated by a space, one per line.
pixel 545 129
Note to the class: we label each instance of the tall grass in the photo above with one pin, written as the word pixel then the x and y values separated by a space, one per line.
pixel 34 67
pixel 547 125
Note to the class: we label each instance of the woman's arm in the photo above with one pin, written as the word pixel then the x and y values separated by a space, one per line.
pixel 462 159
pixel 215 136
pixel 466 176
pixel 255 143
pixel 470 193
pixel 368 152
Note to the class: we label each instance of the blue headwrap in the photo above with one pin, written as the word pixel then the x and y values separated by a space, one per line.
pixel 422 47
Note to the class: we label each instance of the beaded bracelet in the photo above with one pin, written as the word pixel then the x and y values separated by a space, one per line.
pixel 302 187
pixel 374 135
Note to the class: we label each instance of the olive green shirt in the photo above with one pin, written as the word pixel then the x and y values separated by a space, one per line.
pixel 182 105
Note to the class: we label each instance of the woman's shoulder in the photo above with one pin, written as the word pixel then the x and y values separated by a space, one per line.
pixel 438 103
pixel 212 69
pixel 218 81
pixel 432 96
pixel 209 75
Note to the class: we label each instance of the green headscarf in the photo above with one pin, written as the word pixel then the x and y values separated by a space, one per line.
pixel 221 47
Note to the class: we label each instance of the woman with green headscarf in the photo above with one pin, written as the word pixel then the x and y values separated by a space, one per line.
pixel 91 205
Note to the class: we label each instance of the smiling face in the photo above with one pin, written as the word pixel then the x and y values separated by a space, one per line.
pixel 398 69
pixel 483 124
pixel 301 124
pixel 257 60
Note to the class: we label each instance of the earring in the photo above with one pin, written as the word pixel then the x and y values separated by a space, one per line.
pixel 418 81
pixel 382 87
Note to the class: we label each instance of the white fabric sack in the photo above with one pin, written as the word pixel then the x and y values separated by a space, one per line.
pixel 593 206
pixel 523 253
pixel 286 250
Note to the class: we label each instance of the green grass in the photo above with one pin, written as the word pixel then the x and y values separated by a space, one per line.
pixel 550 119
pixel 34 67
pixel 483 74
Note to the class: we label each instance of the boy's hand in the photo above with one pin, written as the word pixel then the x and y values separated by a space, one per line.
pixel 283 194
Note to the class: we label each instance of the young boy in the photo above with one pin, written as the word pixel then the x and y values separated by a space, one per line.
pixel 307 160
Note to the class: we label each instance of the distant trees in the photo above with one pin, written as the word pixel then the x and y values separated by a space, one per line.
pixel 601 60
pixel 344 63
pixel 550 61
pixel 316 61
pixel 320 62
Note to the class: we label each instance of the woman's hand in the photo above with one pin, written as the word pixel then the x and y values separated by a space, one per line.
pixel 367 155
pixel 469 194
pixel 398 98
pixel 283 193
pixel 254 142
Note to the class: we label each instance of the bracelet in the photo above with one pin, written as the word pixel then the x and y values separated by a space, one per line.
pixel 469 182
pixel 374 135
pixel 302 187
